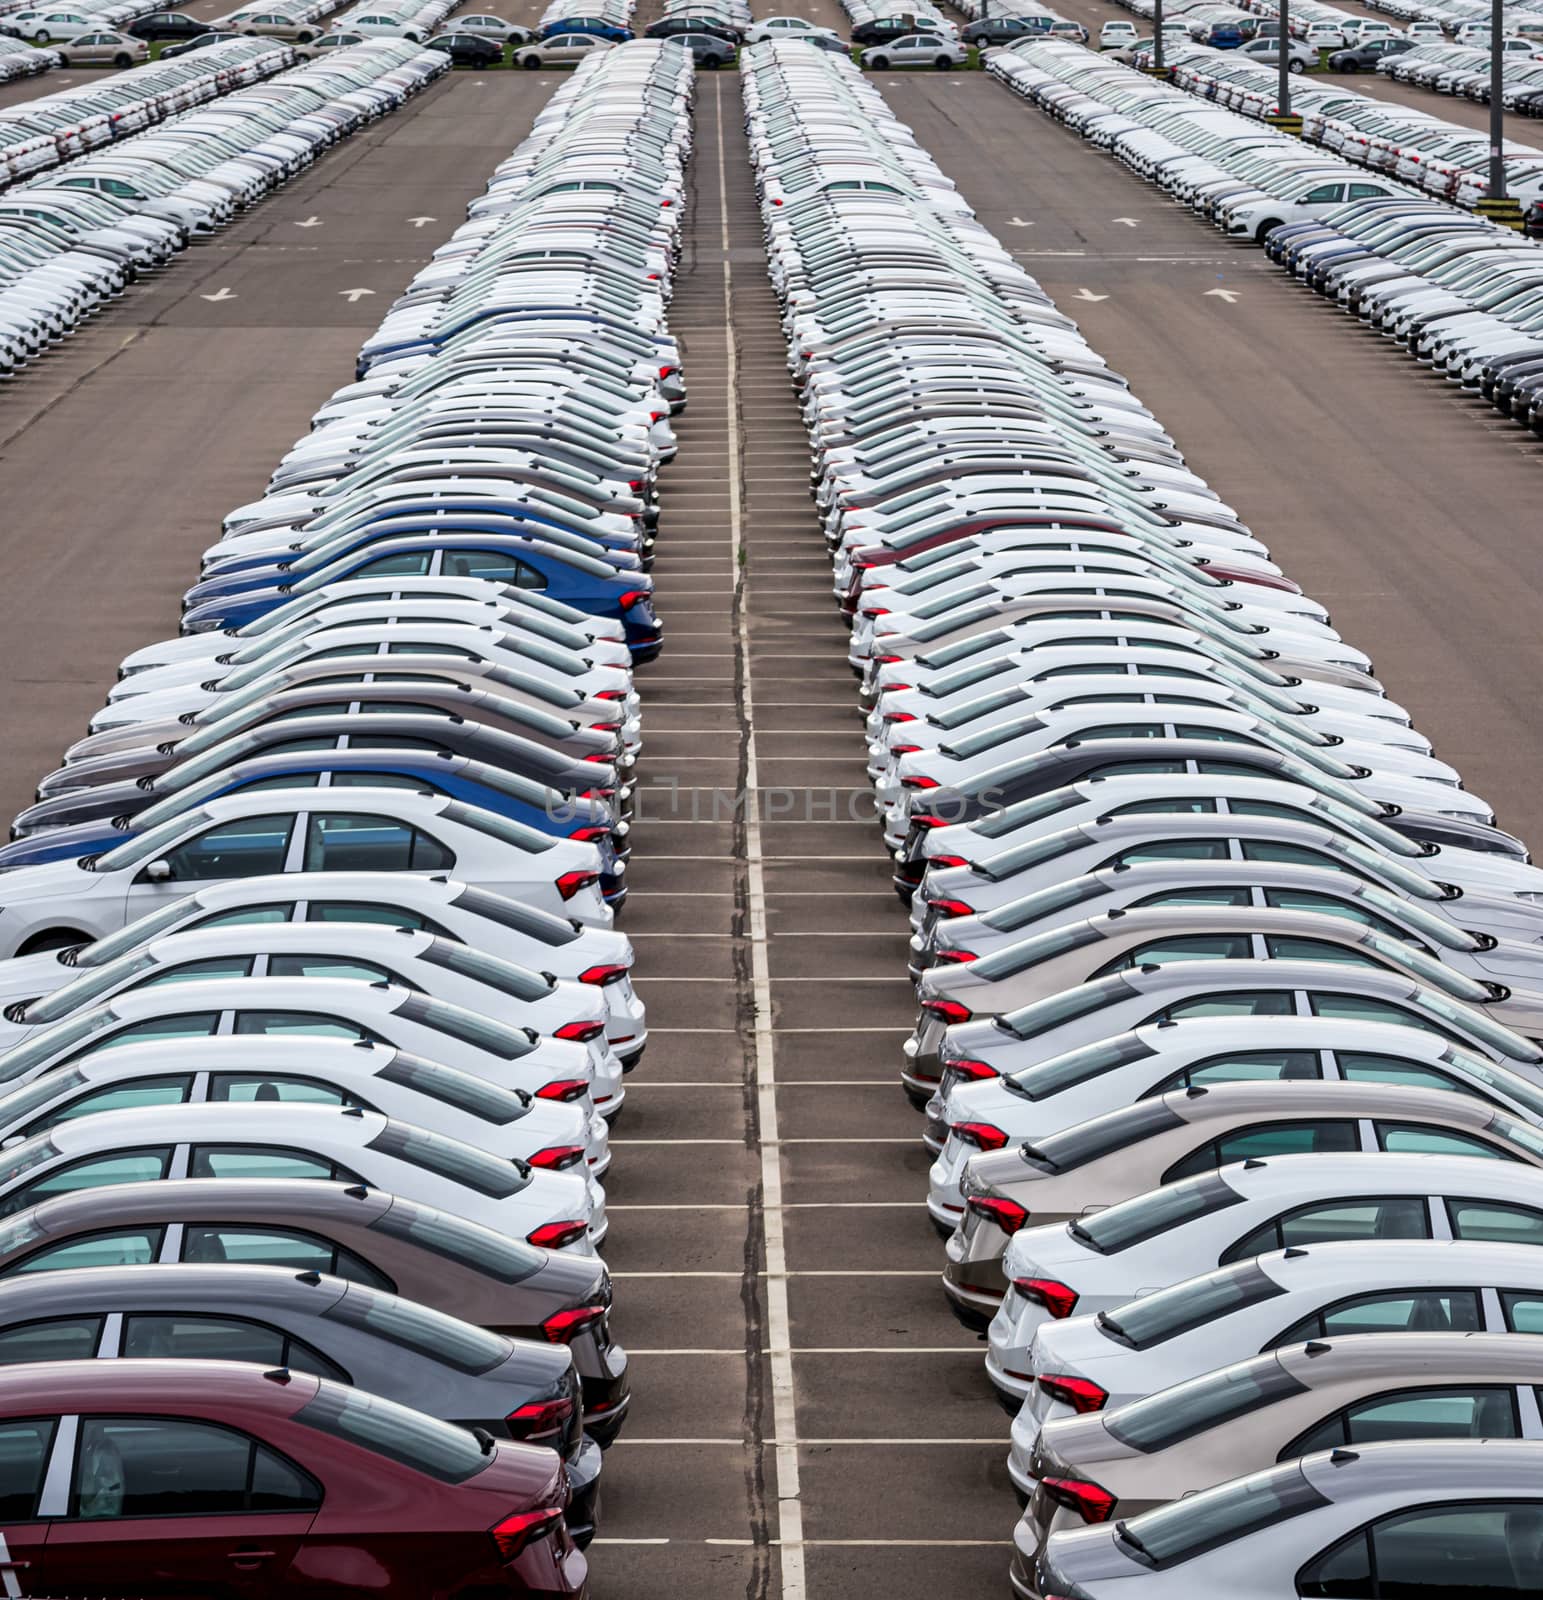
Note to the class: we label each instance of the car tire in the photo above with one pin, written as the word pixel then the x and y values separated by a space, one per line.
pixel 304 38
pixel 122 60
pixel 1264 228
pixel 878 63
pixel 710 63
pixel 43 36
pixel 1295 66
pixel 1350 66
pixel 531 64
pixel 50 939
pixel 943 64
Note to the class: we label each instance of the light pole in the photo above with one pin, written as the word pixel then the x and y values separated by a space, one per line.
pixel 1283 62
pixel 1159 57
pixel 1497 205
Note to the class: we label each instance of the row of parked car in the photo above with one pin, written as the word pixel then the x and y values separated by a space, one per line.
pixel 18 59
pixel 1229 990
pixel 1465 71
pixel 317 1089
pixel 73 239
pixel 36 135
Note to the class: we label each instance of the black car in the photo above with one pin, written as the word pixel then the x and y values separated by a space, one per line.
pixel 674 27
pixel 998 30
pixel 198 43
pixel 1529 104
pixel 1364 57
pixel 879 29
pixel 467 49
pixel 823 41
pixel 168 25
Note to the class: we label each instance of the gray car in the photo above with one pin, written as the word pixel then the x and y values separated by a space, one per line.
pixel 365 1235
pixel 1288 1402
pixel 312 1323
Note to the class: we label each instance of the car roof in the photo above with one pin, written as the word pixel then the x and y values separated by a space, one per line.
pixel 175 1386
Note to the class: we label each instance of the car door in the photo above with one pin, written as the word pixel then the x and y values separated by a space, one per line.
pixel 160 1506
pixel 26 1445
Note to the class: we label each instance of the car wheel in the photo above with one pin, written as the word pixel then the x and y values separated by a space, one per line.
pixel 711 63
pixel 878 63
pixel 304 38
pixel 943 64
pixel 43 36
pixel 1294 66
pixel 1350 66
pixel 122 60
pixel 531 64
pixel 1264 228
pixel 51 939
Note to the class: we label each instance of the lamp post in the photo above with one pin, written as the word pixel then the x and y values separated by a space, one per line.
pixel 1159 58
pixel 1497 204
pixel 1283 62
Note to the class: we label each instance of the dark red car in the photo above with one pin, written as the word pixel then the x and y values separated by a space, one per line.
pixel 159 1478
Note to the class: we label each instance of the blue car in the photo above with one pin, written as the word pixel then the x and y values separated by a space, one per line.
pixel 481 514
pixel 598 25
pixel 385 346
pixel 577 580
pixel 474 782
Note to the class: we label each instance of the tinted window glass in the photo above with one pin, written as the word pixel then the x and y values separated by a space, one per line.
pixel 282 1022
pixel 185 1337
pixel 126 1247
pixel 1269 1139
pixel 24 1448
pixel 343 843
pixel 1397 1217
pixel 1184 1529
pixel 1178 1413
pixel 359 911
pixel 1488 1219
pixel 436 1448
pixel 1407 1138
pixel 1156 1317
pixel 1247 1066
pixel 417 1327
pixel 1200 947
pixel 1155 1212
pixel 258 1161
pixel 168 1091
pixel 492 1254
pixel 1235 1003
pixel 462 1163
pixel 257 1086
pixel 63 1339
pixel 278 1247
pixel 245 848
pixel 1423 1311
pixel 91 1172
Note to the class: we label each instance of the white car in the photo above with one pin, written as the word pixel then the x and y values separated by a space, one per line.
pixel 1117 33
pixel 72 901
pixel 1083 1364
pixel 554 1135
pixel 1440 1517
pixel 914 50
pixel 1184 1230
pixel 555 1210
pixel 787 28
pixel 411 958
pixel 602 957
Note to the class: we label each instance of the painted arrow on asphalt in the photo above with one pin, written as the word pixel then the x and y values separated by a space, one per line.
pixel 352 295
pixel 1130 222
pixel 421 222
pixel 310 222
pixel 1087 294
pixel 1229 295
pixel 224 294
pixel 1018 222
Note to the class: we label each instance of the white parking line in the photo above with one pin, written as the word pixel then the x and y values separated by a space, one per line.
pixel 972 1350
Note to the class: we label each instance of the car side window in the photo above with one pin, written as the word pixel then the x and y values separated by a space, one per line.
pixel 1478 1413
pixel 243 916
pixel 1243 1066
pixel 1234 1003
pixel 1363 1067
pixel 1402 1138
pixel 1475 1548
pixel 24 1450
pixel 273 1023
pixel 1492 1220
pixel 262 1161
pixel 171 1467
pixel 1395 1217
pixel 339 842
pixel 199 971
pixel 303 966
pixel 1288 947
pixel 1268 1139
pixel 122 1247
pixel 278 1247
pixel 168 1091
pixel 250 1088
pixel 1417 1311
pixel 185 1337
pixel 363 911
pixel 245 848
pixel 90 1172
pixel 59 1339
pixel 1197 947
pixel 1170 850
pixel 190 1025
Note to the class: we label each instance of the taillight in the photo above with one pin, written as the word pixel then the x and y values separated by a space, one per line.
pixel 564 1089
pixel 951 908
pixel 1056 1298
pixel 1090 1502
pixel 970 1071
pixel 1008 1215
pixel 557 1157
pixel 916 781
pixel 571 882
pixel 540 1420
pixel 631 598
pixel 515 1533
pixel 954 955
pixel 876 611
pixel 580 1032
pixel 1078 1393
pixel 923 819
pixel 949 1011
pixel 604 974
pixel 900 716
pixel 904 749
pixel 947 861
pixel 554 1235
pixel 563 1326
pixel 610 694
pixel 590 835
pixel 983 1135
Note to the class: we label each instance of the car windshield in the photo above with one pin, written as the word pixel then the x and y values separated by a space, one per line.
pixel 1186 1527
pixel 449 1158
pixel 1158 1317
pixel 431 1333
pixel 1179 1413
pixel 1135 1221
pixel 438 1449
pixel 458 1023
pixel 1065 1071
pixel 1090 1141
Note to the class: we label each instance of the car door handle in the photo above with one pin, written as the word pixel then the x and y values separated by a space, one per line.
pixel 251 1558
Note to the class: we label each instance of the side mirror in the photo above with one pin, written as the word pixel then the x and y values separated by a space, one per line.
pixel 158 872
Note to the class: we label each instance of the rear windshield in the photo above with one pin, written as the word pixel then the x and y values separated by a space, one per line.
pixel 1020 913
pixel 1039 947
pixel 1077 1066
pixel 483 1250
pixel 1178 1413
pixel 525 919
pixel 1135 1221
pixel 449 1158
pixel 1090 1141
pixel 459 1344
pixel 468 1026
pixel 1189 1527
pixel 1030 1021
pixel 438 1449
pixel 478 1097
pixel 518 982
pixel 1164 1315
